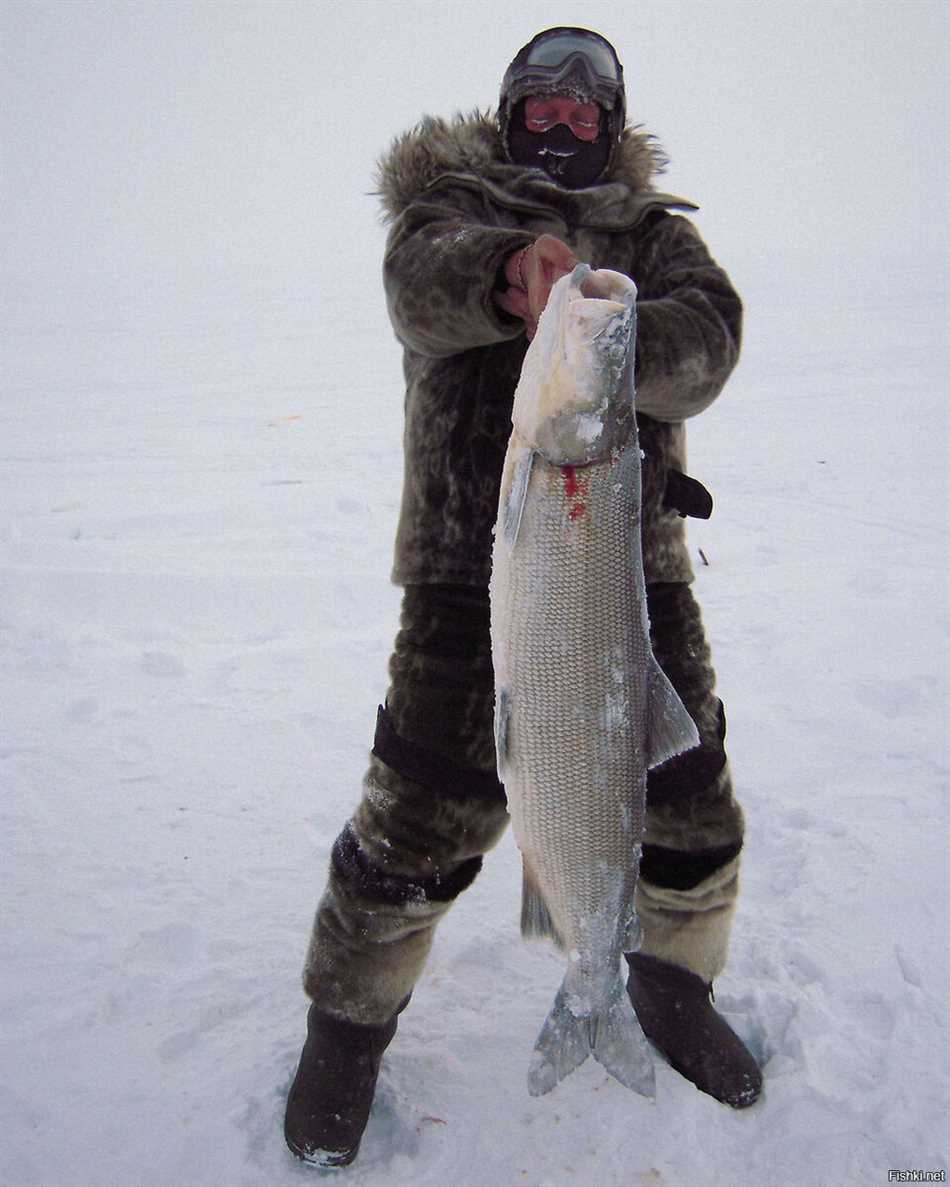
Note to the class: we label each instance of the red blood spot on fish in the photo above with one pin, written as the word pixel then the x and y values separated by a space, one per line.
pixel 576 487
pixel 574 484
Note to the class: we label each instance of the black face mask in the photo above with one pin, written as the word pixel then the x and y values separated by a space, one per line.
pixel 570 162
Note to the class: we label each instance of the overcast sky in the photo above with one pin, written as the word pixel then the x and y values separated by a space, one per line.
pixel 219 137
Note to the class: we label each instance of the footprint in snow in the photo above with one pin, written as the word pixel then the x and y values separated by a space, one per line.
pixel 873 1013
pixel 173 944
pixel 162 665
pixel 82 710
pixel 891 698
pixel 908 967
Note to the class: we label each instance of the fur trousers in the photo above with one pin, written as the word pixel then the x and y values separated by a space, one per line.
pixel 432 806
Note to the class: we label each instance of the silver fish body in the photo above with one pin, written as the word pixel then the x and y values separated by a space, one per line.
pixel 582 708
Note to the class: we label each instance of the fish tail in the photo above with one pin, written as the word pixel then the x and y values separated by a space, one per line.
pixel 563 1045
pixel 620 1046
pixel 612 1035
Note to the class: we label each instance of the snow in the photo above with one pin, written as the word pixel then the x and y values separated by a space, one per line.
pixel 199 481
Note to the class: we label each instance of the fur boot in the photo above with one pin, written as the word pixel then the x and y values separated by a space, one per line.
pixel 329 1101
pixel 675 1010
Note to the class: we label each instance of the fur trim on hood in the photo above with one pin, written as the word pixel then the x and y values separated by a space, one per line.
pixel 472 144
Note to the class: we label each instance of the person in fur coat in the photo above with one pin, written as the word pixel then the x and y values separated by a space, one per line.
pixel 485 213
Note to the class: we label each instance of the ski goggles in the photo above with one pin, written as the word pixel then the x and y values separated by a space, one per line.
pixel 571 55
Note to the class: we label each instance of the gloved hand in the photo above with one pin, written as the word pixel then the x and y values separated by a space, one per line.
pixel 532 272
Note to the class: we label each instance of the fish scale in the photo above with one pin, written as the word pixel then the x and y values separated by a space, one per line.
pixel 566 589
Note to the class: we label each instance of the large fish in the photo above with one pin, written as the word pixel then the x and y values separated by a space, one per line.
pixel 582 710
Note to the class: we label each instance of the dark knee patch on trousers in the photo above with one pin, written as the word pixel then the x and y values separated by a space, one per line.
pixel 678 870
pixel 371 881
pixel 441 695
pixel 415 762
pixel 688 774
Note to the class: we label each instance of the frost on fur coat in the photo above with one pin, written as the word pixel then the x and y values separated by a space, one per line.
pixel 456 210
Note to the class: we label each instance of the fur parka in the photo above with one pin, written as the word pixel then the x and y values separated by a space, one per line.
pixel 457 209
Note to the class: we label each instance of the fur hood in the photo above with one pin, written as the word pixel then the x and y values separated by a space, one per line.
pixel 471 145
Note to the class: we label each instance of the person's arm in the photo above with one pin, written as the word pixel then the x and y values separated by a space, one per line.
pixel 689 321
pixel 443 260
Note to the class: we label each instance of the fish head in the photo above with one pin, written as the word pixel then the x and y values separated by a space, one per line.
pixel 575 400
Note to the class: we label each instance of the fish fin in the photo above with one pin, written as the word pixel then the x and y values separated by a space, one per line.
pixel 517 494
pixel 536 921
pixel 670 729
pixel 563 1045
pixel 502 731
pixel 632 934
pixel 620 1046
pixel 612 1035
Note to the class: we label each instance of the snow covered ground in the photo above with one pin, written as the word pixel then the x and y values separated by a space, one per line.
pixel 199 479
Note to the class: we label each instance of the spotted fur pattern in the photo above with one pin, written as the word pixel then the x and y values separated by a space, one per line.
pixel 457 209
